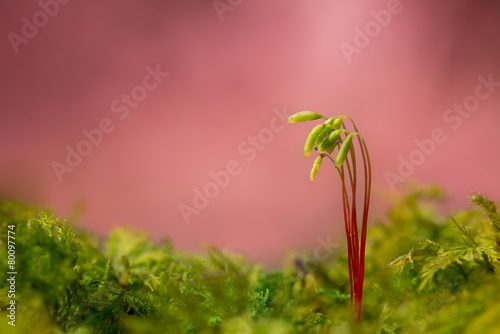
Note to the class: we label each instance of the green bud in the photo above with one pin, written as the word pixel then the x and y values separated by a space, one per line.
pixel 311 139
pixel 335 122
pixel 344 149
pixel 330 121
pixel 329 142
pixel 316 166
pixel 326 131
pixel 304 116
pixel 338 122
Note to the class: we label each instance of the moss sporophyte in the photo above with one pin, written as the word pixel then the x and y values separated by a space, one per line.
pixel 324 138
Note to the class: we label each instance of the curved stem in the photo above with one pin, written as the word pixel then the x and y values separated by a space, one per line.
pixel 345 201
pixel 355 246
pixel 351 235
pixel 366 204
pixel 368 181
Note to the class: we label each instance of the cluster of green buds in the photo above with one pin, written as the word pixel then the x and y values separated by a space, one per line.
pixel 324 138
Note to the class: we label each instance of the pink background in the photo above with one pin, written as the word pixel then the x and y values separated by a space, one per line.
pixel 226 76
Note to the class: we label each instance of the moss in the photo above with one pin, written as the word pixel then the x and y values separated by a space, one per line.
pixel 425 273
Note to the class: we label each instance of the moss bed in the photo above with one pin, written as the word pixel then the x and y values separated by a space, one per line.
pixel 425 273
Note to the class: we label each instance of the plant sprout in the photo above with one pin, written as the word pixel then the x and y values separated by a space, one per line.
pixel 324 138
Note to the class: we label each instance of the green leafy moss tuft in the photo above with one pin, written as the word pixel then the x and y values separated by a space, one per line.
pixel 425 273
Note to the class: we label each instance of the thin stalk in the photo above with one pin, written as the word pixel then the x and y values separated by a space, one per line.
pixel 366 206
pixel 352 222
pixel 354 227
pixel 354 237
pixel 360 254
pixel 351 234
pixel 350 259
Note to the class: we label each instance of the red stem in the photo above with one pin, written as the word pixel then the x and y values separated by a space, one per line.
pixel 355 246
pixel 354 228
pixel 366 207
pixel 345 201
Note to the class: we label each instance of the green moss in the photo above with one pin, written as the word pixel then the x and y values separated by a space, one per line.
pixel 425 273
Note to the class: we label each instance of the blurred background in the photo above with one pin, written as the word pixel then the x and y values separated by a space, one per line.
pixel 168 115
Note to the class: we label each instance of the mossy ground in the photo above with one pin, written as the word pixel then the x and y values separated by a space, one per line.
pixel 424 274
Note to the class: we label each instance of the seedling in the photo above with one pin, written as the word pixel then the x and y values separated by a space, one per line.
pixel 325 138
